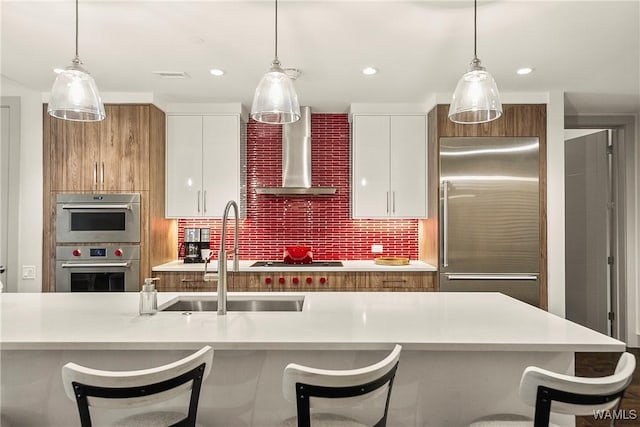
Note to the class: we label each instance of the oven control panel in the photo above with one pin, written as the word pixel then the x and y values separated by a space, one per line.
pixel 97 252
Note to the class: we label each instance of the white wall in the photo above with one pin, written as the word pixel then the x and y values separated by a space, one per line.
pixel 555 203
pixel 29 241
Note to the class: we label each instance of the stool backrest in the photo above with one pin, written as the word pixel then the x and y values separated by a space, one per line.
pixel 574 395
pixel 132 389
pixel 352 386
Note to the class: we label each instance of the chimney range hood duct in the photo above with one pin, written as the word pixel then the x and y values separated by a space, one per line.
pixel 296 160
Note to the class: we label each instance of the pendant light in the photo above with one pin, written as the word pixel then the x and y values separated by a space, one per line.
pixel 275 100
pixel 476 98
pixel 74 95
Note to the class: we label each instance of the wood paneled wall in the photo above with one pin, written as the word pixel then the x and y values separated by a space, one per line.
pixel 517 120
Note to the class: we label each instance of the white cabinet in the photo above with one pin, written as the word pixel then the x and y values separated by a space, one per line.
pixel 389 166
pixel 203 164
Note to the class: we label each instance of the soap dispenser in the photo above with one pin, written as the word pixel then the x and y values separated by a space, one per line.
pixel 149 297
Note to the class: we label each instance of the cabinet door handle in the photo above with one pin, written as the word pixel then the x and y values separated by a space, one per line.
pixel 102 174
pixel 393 196
pixel 204 201
pixel 198 201
pixel 395 281
pixel 95 174
pixel 387 202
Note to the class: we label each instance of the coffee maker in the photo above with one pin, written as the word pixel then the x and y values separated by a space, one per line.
pixel 195 240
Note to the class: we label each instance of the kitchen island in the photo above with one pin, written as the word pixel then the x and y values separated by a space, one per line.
pixel 462 357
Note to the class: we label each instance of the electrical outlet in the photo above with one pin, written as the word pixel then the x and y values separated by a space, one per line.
pixel 376 249
pixel 29 272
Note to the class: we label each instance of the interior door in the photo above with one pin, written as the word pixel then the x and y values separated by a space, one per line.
pixel 9 191
pixel 4 191
pixel 587 239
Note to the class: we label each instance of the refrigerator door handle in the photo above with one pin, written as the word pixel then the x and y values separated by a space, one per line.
pixel 491 277
pixel 445 223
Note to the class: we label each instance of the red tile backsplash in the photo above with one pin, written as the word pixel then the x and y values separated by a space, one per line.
pixel 322 222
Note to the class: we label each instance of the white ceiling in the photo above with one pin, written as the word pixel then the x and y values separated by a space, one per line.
pixel 588 49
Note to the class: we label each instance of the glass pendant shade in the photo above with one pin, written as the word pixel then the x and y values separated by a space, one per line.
pixel 476 98
pixel 275 100
pixel 74 96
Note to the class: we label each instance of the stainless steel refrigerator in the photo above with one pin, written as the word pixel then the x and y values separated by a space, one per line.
pixel 490 216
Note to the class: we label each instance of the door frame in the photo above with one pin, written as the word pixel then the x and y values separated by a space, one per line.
pixel 9 240
pixel 626 250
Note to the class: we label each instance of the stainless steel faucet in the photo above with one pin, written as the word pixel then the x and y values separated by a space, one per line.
pixel 222 257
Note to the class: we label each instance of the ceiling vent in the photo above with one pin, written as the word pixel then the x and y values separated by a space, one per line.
pixel 171 74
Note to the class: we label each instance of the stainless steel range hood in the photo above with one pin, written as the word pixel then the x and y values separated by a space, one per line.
pixel 296 160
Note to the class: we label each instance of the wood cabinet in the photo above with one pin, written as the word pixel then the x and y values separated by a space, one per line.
pixel 203 164
pixel 123 153
pixel 100 156
pixel 301 281
pixel 183 281
pixel 408 281
pixel 389 166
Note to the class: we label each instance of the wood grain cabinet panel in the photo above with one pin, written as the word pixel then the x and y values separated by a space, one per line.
pixel 414 281
pixel 100 156
pixel 124 147
pixel 183 281
pixel 290 281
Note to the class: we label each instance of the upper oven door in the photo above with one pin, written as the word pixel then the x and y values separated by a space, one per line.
pixel 84 218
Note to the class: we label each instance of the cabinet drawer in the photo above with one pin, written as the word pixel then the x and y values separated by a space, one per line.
pixel 396 281
pixel 183 281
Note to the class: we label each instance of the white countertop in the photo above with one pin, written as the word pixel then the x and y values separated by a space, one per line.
pixel 329 320
pixel 245 265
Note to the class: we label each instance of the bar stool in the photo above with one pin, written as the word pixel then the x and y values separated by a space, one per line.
pixel 569 394
pixel 343 388
pixel 135 389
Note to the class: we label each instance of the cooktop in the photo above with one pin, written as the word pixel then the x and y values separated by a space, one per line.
pixel 285 264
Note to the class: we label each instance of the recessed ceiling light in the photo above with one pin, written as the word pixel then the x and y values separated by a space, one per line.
pixel 369 71
pixel 58 70
pixel 217 72
pixel 524 71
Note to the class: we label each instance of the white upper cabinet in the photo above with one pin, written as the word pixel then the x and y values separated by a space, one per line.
pixel 389 166
pixel 203 164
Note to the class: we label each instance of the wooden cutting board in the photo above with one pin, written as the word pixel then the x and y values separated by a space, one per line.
pixel 391 260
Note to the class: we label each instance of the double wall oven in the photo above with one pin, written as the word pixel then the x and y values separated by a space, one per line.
pixel 97 242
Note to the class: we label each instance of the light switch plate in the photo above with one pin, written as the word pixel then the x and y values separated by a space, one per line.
pixel 29 272
pixel 376 249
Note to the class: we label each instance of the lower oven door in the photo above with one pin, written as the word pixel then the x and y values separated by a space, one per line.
pixel 97 276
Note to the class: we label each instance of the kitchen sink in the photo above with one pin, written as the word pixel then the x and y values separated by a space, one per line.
pixel 199 303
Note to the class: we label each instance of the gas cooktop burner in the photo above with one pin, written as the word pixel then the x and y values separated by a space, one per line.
pixel 285 264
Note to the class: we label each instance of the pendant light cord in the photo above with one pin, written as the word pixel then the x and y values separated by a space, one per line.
pixel 475 31
pixel 276 32
pixel 76 29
